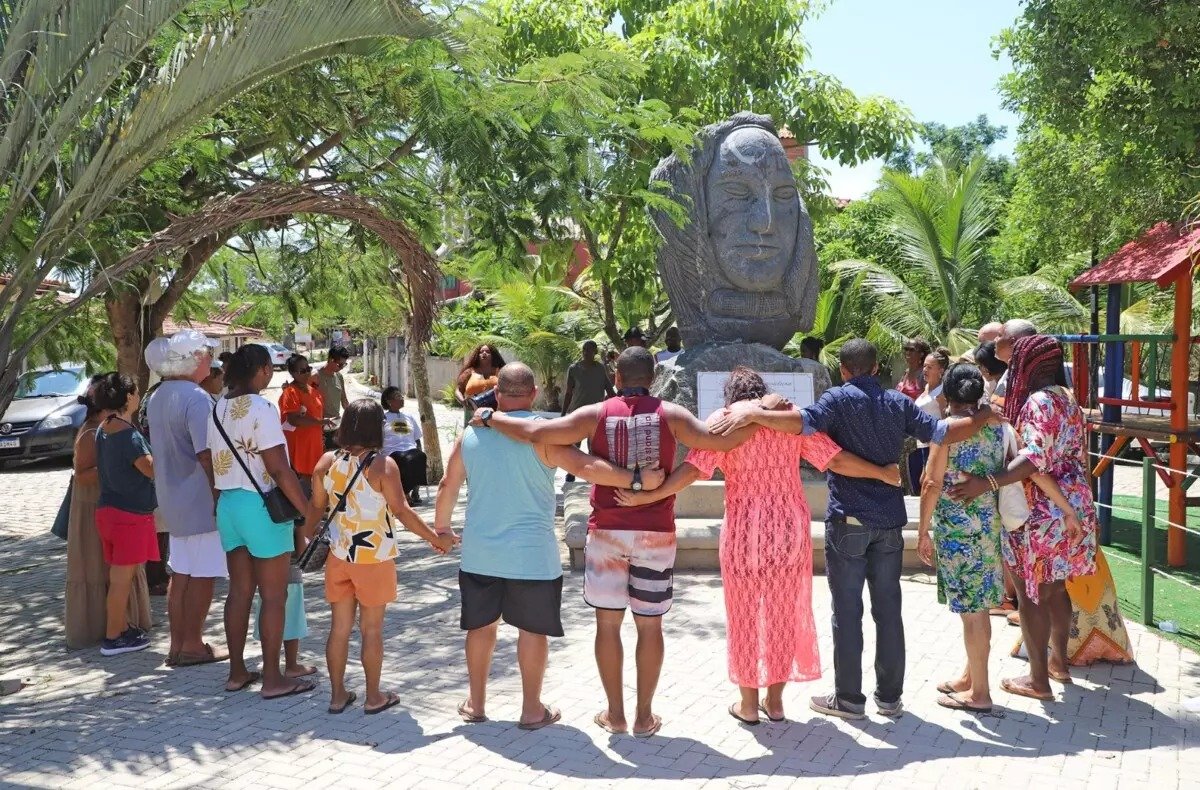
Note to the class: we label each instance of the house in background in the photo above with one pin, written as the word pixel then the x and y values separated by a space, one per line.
pixel 219 325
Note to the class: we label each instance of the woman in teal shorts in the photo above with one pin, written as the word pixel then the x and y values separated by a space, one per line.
pixel 249 441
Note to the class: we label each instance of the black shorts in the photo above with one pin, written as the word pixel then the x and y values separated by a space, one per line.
pixel 533 605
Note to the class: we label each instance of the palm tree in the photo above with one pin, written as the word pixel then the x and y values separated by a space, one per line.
pixel 84 110
pixel 941 220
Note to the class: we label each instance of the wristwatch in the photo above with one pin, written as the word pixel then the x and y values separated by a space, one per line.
pixel 485 416
pixel 637 479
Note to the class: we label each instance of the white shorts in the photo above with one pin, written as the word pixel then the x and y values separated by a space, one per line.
pixel 200 556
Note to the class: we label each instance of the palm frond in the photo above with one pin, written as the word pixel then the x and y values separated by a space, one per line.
pixel 1051 307
pixel 898 310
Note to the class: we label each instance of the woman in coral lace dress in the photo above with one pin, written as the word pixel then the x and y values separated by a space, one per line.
pixel 766 548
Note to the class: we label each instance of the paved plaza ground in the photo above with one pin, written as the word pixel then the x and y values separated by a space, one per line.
pixel 88 721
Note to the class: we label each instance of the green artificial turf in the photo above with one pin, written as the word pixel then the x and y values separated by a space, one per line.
pixel 1173 600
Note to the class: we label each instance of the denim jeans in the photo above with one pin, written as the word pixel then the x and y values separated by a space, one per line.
pixel 855 554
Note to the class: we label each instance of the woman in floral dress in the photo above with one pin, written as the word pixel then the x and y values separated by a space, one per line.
pixel 1056 545
pixel 967 538
pixel 766 548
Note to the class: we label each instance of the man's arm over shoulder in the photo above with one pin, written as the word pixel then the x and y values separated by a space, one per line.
pixel 693 433
pixel 574 427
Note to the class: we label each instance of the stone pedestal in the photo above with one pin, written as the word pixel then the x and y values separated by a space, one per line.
pixel 675 380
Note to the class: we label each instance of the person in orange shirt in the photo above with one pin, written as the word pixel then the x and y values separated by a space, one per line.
pixel 302 409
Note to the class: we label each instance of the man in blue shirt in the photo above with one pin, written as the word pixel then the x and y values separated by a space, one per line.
pixel 864 540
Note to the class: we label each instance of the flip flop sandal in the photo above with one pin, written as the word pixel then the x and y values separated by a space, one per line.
pixel 469 718
pixel 947 689
pixel 549 717
pixel 299 688
pixel 172 660
pixel 247 683
pixel 1014 618
pixel 762 707
pixel 1023 691
pixel 604 725
pixel 392 701
pixel 748 722
pixel 955 702
pixel 1063 678
pixel 658 723
pixel 342 708
pixel 210 656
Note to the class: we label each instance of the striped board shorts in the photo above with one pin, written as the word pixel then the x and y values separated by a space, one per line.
pixel 629 569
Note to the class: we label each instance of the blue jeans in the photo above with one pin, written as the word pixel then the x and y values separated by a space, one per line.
pixel 853 555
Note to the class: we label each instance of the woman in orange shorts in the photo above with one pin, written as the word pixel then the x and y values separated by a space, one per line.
pixel 361 571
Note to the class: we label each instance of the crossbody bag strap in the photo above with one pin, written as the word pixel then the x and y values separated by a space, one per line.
pixel 232 449
pixel 341 503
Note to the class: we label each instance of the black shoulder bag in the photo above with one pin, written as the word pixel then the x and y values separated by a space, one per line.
pixel 317 551
pixel 279 507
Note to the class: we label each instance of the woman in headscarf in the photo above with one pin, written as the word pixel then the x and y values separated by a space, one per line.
pixel 1054 547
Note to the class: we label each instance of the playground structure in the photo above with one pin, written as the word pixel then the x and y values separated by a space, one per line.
pixel 1167 258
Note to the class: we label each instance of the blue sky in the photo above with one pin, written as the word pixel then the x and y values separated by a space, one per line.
pixel 934 56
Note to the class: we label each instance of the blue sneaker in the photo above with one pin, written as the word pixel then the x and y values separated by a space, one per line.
pixel 125 643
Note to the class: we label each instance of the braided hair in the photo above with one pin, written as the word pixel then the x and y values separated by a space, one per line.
pixel 1034 358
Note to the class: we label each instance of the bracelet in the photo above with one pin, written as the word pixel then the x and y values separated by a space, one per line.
pixel 992 482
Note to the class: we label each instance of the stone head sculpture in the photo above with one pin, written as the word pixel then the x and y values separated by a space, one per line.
pixel 743 267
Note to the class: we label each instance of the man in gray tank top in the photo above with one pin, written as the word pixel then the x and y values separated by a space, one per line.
pixel 511 567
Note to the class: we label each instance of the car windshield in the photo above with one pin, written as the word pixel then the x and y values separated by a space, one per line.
pixel 280 349
pixel 51 383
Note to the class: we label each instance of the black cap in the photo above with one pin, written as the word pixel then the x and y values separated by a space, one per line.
pixel 634 333
pixel 339 352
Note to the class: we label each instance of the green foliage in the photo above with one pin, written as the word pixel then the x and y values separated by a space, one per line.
pixel 1111 136
pixel 97 94
pixel 940 222
pixel 638 91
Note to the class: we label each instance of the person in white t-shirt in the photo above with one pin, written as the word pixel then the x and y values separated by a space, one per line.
pixel 249 458
pixel 674 346
pixel 402 443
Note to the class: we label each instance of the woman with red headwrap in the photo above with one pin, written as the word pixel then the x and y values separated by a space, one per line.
pixel 1054 546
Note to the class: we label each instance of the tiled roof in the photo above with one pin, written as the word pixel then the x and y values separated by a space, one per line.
pixel 1159 255
pixel 215 329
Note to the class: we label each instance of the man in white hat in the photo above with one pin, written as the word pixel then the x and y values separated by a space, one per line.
pixel 178 415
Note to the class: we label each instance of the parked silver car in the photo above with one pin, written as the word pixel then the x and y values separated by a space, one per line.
pixel 279 353
pixel 44 416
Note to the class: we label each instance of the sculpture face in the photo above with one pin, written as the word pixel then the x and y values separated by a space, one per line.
pixel 753 207
pixel 743 268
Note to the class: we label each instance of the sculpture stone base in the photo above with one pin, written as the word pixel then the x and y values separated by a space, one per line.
pixel 676 379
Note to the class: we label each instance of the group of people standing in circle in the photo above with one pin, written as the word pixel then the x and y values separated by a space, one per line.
pixel 214 463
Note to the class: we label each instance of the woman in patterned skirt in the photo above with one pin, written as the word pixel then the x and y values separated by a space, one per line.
pixel 766 548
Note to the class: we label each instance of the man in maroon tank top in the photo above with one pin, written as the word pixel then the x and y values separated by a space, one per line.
pixel 630 552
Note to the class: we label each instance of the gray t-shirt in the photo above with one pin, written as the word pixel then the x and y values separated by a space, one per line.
pixel 332 388
pixel 590 383
pixel 179 414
